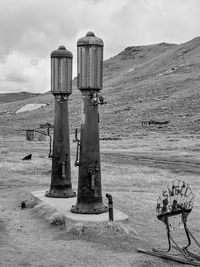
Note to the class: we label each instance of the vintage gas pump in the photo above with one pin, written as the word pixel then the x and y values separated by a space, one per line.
pixel 90 70
pixel 61 88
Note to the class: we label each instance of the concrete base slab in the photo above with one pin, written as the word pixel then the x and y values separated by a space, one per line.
pixel 63 205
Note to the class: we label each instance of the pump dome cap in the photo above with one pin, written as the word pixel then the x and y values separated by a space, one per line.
pixel 61 52
pixel 90 39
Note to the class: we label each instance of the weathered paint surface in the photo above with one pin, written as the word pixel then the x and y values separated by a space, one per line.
pixel 61 169
pixel 89 199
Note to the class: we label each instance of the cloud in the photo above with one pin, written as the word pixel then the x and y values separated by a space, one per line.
pixel 31 29
pixel 36 27
pixel 152 21
pixel 18 73
pixel 15 78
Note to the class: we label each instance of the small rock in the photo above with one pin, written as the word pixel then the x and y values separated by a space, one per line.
pixel 57 219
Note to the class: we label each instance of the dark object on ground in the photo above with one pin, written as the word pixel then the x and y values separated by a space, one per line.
pixel 154 122
pixel 110 138
pixel 23 205
pixel 110 207
pixel 28 157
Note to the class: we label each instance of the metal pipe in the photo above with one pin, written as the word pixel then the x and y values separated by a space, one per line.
pixel 110 207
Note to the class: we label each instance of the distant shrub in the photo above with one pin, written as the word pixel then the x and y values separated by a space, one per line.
pixel 4 151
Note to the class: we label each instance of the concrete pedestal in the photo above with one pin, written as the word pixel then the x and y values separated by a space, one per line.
pixel 63 205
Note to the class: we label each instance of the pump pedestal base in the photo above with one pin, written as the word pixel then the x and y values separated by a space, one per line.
pixel 58 193
pixel 89 208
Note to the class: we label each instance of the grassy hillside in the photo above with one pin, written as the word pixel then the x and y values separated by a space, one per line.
pixel 12 97
pixel 154 82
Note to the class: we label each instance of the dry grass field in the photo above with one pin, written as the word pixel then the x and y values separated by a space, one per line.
pixel 134 171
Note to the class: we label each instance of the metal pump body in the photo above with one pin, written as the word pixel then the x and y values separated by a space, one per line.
pixel 90 69
pixel 61 88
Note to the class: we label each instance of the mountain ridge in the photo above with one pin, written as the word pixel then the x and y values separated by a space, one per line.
pixel 12 97
pixel 158 82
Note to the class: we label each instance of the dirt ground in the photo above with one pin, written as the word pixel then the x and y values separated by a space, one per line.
pixel 134 171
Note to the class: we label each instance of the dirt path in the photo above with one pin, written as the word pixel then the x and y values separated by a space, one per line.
pixel 27 240
pixel 175 165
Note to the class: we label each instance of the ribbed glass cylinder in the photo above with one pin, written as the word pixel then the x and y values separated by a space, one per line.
pixel 90 62
pixel 61 75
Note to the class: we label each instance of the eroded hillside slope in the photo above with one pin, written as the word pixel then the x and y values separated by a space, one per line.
pixel 158 82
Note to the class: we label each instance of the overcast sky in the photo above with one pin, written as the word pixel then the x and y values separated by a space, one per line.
pixel 31 29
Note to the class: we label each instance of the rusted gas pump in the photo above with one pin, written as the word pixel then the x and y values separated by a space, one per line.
pixel 61 88
pixel 90 69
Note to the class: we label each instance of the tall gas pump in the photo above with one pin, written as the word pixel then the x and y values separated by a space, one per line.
pixel 90 74
pixel 61 88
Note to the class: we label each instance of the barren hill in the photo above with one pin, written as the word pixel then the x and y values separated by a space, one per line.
pixel 12 97
pixel 157 82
